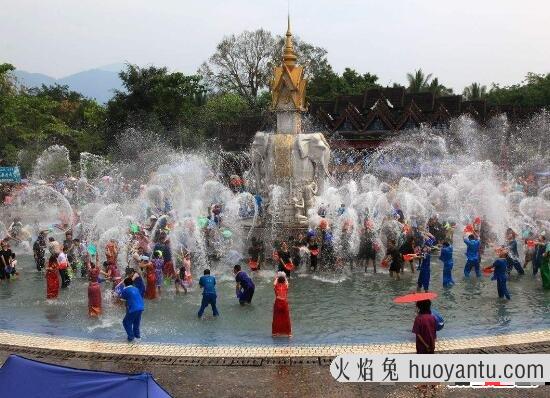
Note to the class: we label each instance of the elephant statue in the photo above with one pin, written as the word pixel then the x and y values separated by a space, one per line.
pixel 313 148
pixel 258 158
pixel 304 158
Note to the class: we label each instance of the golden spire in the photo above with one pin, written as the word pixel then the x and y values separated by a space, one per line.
pixel 289 56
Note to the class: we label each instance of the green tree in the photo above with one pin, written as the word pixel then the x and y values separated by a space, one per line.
pixel 31 120
pixel 438 89
pixel 222 109
pixel 418 81
pixel 474 91
pixel 7 84
pixel 354 83
pixel 534 91
pixel 327 84
pixel 154 99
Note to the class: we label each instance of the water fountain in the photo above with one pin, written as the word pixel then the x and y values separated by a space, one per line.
pixel 420 172
pixel 293 161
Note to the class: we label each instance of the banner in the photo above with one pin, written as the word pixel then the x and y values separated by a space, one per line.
pixel 10 174
pixel 442 368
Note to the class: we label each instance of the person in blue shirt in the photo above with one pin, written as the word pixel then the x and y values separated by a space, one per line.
pixel 245 286
pixel 424 274
pixel 500 270
pixel 208 284
pixel 472 255
pixel 134 309
pixel 446 256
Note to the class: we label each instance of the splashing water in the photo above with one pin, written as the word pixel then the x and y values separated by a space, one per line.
pixel 454 174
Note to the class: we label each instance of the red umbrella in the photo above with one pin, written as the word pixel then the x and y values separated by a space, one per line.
pixel 414 297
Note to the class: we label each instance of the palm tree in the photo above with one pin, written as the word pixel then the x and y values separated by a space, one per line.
pixel 438 89
pixel 418 81
pixel 474 91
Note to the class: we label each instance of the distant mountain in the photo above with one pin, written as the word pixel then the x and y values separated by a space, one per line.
pixel 98 83
pixel 94 83
pixel 33 79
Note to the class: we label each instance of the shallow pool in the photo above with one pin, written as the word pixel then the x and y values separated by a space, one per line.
pixel 325 309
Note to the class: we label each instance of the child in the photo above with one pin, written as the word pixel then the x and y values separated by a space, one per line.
pixel 285 260
pixel 446 256
pixel 180 278
pixel 395 259
pixel 158 262
pixel 62 266
pixel 424 274
pixel 254 255
pixel 424 328
pixel 313 248
pixel 500 267
pixel 183 277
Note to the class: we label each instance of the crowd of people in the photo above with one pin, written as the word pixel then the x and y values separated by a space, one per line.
pixel 151 266
pixel 154 264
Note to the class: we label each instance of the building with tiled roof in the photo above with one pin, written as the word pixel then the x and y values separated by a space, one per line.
pixel 366 121
pixel 386 112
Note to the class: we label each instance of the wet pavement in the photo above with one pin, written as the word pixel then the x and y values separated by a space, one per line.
pixel 208 377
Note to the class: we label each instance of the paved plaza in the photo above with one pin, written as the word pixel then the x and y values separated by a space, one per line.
pixel 261 371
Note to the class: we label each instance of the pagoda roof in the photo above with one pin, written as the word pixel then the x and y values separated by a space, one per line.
pixel 425 101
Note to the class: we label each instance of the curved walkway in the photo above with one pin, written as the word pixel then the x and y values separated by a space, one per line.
pixel 51 343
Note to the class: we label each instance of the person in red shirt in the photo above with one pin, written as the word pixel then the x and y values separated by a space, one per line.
pixel 424 328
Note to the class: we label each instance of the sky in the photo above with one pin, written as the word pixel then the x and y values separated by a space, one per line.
pixel 459 41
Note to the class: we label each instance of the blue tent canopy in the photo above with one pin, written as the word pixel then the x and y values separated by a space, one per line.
pixel 21 377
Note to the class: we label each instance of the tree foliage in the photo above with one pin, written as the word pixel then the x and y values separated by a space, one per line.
pixel 220 109
pixel 438 89
pixel 533 91
pixel 419 82
pixel 155 99
pixel 327 84
pixel 474 91
pixel 33 119
pixel 241 64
